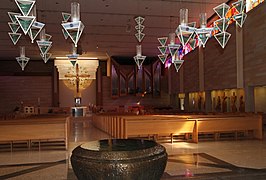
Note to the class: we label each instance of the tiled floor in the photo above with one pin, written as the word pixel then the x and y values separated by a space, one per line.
pixel 234 160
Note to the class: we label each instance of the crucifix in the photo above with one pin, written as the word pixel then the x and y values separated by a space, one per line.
pixel 78 77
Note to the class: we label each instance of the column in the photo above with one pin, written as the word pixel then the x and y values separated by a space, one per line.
pixel 249 99
pixel 239 57
pixel 187 109
pixel 208 101
pixel 201 68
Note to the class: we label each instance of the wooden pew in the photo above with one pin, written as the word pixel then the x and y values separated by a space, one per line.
pixel 35 129
pixel 123 126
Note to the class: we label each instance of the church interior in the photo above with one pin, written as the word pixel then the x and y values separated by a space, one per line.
pixel 81 77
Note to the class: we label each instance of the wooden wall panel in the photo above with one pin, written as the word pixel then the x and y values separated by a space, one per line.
pixel 220 64
pixel 255 47
pixel 26 89
pixel 191 71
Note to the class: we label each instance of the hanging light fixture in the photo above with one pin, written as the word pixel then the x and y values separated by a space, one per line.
pixel 22 59
pixel 74 28
pixel 139 59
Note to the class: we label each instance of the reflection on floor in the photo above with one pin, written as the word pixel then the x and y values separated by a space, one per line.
pixel 234 160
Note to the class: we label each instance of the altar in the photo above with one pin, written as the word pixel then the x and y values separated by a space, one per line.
pixel 78 111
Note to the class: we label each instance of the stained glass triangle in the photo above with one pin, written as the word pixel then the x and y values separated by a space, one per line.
pixel 173 49
pixel 66 16
pixel 13 15
pixel 239 5
pixel 74 30
pixel 203 38
pixel 22 61
pixel 178 64
pixel 25 22
pixel 14 37
pixel 162 49
pixel 139 60
pixel 240 19
pixel 139 20
pixel 222 38
pixel 13 26
pixel 25 6
pixel 222 24
pixel 184 37
pixel 44 46
pixel 163 57
pixel 139 36
pixel 46 57
pixel 35 30
pixel 221 10
pixel 163 40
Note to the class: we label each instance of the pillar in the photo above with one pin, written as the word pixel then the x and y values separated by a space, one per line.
pixel 239 57
pixel 249 99
pixel 201 68
pixel 208 101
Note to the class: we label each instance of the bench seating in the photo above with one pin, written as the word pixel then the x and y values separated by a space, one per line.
pixel 35 129
pixel 125 126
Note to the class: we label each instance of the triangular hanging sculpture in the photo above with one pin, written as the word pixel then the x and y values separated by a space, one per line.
pixel 163 57
pixel 203 35
pixel 25 6
pixel 178 64
pixel 139 36
pixel 240 19
pixel 66 16
pixel 222 38
pixel 65 33
pixel 13 26
pixel 139 28
pixel 13 15
pixel 239 5
pixel 44 46
pixel 163 40
pixel 14 37
pixel 184 34
pixel 46 57
pixel 222 24
pixel 74 30
pixel 173 49
pixel 35 30
pixel 162 49
pixel 25 22
pixel 139 20
pixel 221 10
pixel 23 61
pixel 139 60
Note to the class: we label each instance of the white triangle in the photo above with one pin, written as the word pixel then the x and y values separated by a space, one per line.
pixel 13 15
pixel 65 33
pixel 46 57
pixel 139 20
pixel 140 36
pixel 14 40
pixel 162 40
pixel 35 26
pixel 178 64
pixel 48 37
pixel 76 27
pixel 66 16
pixel 163 57
pixel 46 44
pixel 25 3
pixel 23 61
pixel 139 60
pixel 139 28
pixel 14 30
pixel 221 10
pixel 21 19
